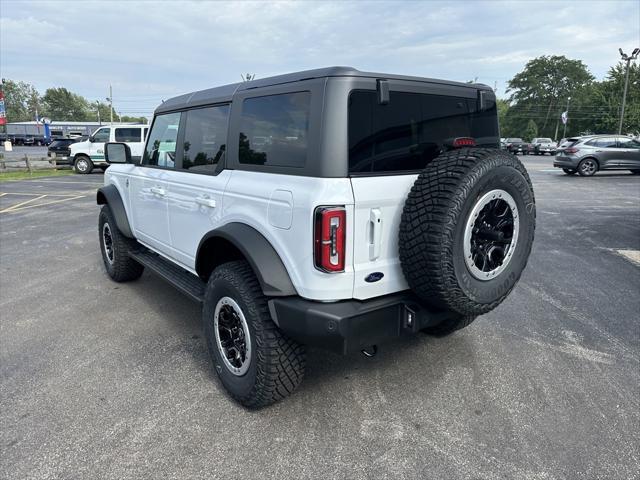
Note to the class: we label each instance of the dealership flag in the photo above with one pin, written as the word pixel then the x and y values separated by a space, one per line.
pixel 3 115
pixel 565 117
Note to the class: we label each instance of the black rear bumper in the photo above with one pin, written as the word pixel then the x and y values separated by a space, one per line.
pixel 352 325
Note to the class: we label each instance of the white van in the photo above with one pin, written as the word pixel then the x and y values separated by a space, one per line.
pixel 89 154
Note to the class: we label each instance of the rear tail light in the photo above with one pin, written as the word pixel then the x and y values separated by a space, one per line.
pixel 329 238
pixel 464 142
pixel 571 150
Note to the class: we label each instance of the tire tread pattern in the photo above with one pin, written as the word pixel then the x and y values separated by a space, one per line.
pixel 431 213
pixel 124 268
pixel 281 361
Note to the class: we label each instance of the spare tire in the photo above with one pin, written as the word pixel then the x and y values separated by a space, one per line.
pixel 467 229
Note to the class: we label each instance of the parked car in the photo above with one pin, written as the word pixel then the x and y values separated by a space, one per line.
pixel 61 151
pixel 589 154
pixel 85 155
pixel 517 146
pixel 540 146
pixel 331 207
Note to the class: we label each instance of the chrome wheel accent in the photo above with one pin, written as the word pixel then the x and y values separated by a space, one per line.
pixel 491 234
pixel 107 243
pixel 82 165
pixel 588 167
pixel 232 336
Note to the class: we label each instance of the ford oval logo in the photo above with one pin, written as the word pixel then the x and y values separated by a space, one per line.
pixel 373 277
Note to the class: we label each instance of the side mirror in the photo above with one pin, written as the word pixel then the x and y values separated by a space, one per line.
pixel 117 153
pixel 91 139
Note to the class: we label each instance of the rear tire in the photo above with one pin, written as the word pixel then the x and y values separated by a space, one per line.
pixel 115 248
pixel 569 171
pixel 449 326
pixel 256 363
pixel 83 165
pixel 467 229
pixel 587 167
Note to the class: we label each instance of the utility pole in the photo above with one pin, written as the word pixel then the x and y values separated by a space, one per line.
pixel 98 110
pixel 110 100
pixel 626 58
pixel 564 133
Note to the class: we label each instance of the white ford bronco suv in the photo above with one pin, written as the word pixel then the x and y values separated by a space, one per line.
pixel 331 207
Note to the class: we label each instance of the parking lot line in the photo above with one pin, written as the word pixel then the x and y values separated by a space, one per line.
pixel 37 194
pixel 12 207
pixel 59 181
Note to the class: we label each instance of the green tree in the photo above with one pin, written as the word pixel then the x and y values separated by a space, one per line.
pixel 531 131
pixel 21 100
pixel 541 90
pixel 61 104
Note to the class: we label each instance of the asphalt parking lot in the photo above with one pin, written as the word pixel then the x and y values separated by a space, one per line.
pixel 106 380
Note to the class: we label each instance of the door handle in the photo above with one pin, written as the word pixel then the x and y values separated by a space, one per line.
pixel 158 191
pixel 207 202
pixel 375 223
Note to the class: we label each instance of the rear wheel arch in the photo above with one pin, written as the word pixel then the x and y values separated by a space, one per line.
pixel 237 241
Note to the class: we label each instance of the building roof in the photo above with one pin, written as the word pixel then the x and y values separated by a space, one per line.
pixel 225 93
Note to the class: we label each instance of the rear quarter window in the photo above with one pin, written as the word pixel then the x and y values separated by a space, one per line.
pixel 274 130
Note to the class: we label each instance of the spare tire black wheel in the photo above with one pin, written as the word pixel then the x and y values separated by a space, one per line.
pixel 467 229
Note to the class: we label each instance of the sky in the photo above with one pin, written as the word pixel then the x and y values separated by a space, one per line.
pixel 152 50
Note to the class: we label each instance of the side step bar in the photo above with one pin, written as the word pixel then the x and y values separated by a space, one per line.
pixel 185 281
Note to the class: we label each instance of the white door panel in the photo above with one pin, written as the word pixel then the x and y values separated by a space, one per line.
pixel 148 189
pixel 378 208
pixel 195 208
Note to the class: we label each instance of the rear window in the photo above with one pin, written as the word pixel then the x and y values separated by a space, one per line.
pixel 412 129
pixel 128 135
pixel 514 140
pixel 274 130
pixel 544 140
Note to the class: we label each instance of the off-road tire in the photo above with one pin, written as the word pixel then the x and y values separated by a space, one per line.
pixel 434 221
pixel 83 165
pixel 569 171
pixel 123 268
pixel 452 324
pixel 277 363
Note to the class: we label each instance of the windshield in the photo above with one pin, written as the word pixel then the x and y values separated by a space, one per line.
pixel 545 140
pixel 514 140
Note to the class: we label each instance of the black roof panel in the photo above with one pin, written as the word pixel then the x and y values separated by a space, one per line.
pixel 225 93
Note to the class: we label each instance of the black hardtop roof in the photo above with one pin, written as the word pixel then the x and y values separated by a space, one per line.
pixel 225 93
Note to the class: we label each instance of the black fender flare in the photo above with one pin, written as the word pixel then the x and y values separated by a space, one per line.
pixel 263 258
pixel 109 195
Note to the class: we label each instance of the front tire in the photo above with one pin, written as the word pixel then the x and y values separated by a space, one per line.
pixel 467 230
pixel 83 165
pixel 115 248
pixel 256 363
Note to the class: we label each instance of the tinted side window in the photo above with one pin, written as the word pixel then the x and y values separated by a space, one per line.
pixel 629 143
pixel 128 134
pixel 607 142
pixel 412 129
pixel 101 135
pixel 274 130
pixel 205 138
pixel 161 146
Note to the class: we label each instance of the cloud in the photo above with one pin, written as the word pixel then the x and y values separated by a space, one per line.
pixel 150 51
